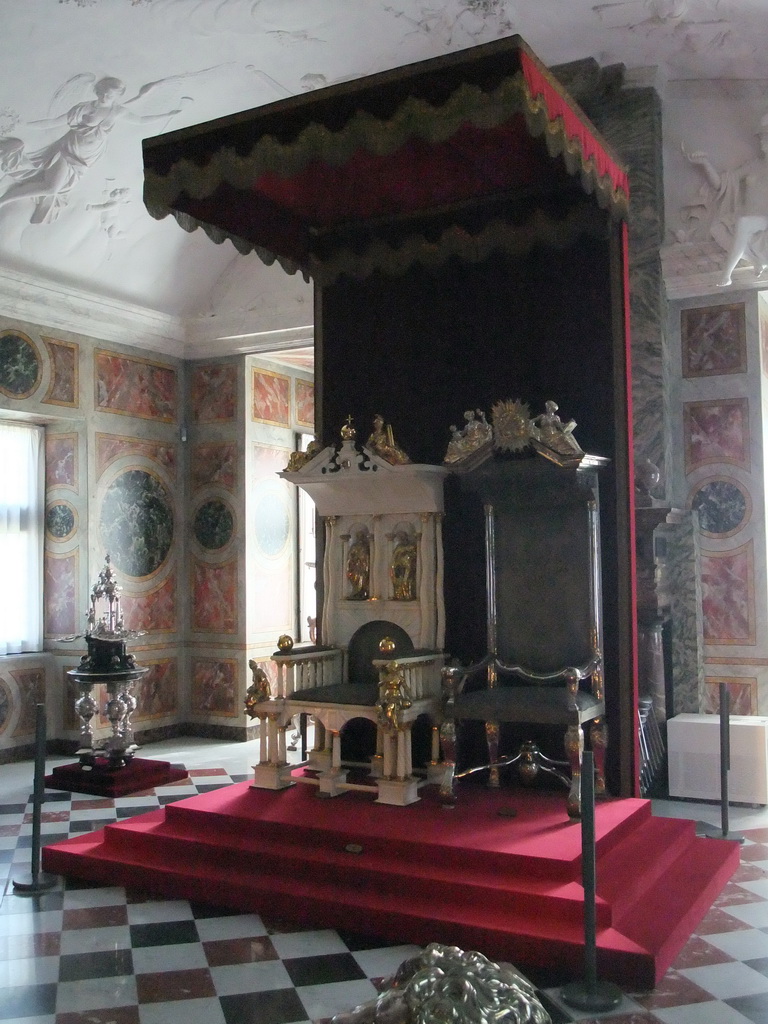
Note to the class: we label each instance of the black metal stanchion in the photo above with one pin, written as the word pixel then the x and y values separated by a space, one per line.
pixel 590 994
pixel 36 881
pixel 703 828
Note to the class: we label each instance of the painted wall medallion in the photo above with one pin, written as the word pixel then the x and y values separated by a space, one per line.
pixel 6 705
pixel 61 460
pixel 728 597
pixel 64 387
pixel 135 387
pixel 271 518
pixel 714 340
pixel 60 521
pixel 214 525
pixel 305 403
pixel 20 365
pixel 716 431
pixel 723 507
pixel 137 522
pixel 213 393
pixel 214 687
pixel 271 395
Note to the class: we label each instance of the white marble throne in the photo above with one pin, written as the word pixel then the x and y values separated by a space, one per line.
pixel 382 578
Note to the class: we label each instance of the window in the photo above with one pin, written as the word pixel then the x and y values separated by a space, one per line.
pixel 307 558
pixel 21 538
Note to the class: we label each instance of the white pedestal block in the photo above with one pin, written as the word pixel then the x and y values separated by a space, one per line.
pixel 399 792
pixel 694 758
pixel 332 783
pixel 273 776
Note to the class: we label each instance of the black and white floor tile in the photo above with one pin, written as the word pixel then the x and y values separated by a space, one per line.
pixel 84 954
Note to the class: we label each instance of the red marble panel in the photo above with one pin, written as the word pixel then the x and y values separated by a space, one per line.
pixel 157 693
pixel 64 387
pixel 154 611
pixel 743 695
pixel 271 397
pixel 213 393
pixel 135 387
pixel 714 340
pixel 214 597
pixel 214 463
pixel 31 684
pixel 63 616
pixel 214 687
pixel 728 598
pixel 114 446
pixel 6 705
pixel 305 403
pixel 716 431
pixel 61 460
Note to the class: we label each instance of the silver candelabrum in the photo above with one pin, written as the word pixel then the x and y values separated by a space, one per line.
pixel 106 662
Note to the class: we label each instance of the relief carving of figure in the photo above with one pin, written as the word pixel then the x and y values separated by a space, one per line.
pixel 382 442
pixel 48 175
pixel 402 571
pixel 734 208
pixel 359 567
pixel 473 435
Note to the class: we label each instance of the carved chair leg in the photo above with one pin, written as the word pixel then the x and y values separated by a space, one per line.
pixel 574 749
pixel 598 736
pixel 492 739
pixel 448 743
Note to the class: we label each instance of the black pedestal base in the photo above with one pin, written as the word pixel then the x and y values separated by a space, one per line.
pixel 106 780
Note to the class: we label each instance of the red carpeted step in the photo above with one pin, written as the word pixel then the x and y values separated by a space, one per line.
pixel 471 876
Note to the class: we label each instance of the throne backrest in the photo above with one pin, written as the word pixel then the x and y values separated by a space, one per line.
pixel 364 648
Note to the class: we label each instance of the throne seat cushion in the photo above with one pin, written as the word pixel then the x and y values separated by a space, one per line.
pixel 539 705
pixel 362 694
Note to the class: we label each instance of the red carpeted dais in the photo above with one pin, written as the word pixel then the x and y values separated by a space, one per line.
pixel 499 872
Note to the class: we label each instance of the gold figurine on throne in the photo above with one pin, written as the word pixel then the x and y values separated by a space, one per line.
pixel 394 696
pixel 383 443
pixel 259 690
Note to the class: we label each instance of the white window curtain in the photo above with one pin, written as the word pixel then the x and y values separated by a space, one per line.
pixel 21 537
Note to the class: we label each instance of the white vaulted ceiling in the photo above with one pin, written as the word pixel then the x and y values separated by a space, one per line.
pixel 91 245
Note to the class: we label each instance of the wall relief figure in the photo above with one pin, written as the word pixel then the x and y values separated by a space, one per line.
pixel 732 208
pixel 359 567
pixel 402 571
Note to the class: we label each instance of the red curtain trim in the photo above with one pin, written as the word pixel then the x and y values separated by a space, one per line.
pixel 558 106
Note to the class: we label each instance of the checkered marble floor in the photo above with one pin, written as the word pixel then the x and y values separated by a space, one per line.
pixel 84 954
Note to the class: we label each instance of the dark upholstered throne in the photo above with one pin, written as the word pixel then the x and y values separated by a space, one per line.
pixel 543 666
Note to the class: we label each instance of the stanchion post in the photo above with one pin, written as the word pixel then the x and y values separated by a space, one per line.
pixel 590 994
pixel 36 881
pixel 703 828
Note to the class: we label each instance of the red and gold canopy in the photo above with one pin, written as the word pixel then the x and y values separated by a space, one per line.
pixel 449 157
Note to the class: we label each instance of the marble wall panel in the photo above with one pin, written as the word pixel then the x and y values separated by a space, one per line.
pixel 214 597
pixel 64 384
pixel 137 387
pixel 716 431
pixel 213 393
pixel 271 398
pixel 61 461
pixel 213 463
pixel 110 447
pixel 63 613
pixel 713 340
pixel 31 691
pixel 157 692
pixel 304 403
pixel 742 693
pixel 21 365
pixel 728 597
pixel 215 689
pixel 154 610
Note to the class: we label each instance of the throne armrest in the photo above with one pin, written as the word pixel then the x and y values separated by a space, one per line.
pixel 305 668
pixel 421 672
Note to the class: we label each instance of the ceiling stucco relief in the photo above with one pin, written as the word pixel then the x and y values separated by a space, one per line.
pixel 89 232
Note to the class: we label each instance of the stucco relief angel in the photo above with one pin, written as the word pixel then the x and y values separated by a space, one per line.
pixel 733 208
pixel 48 175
